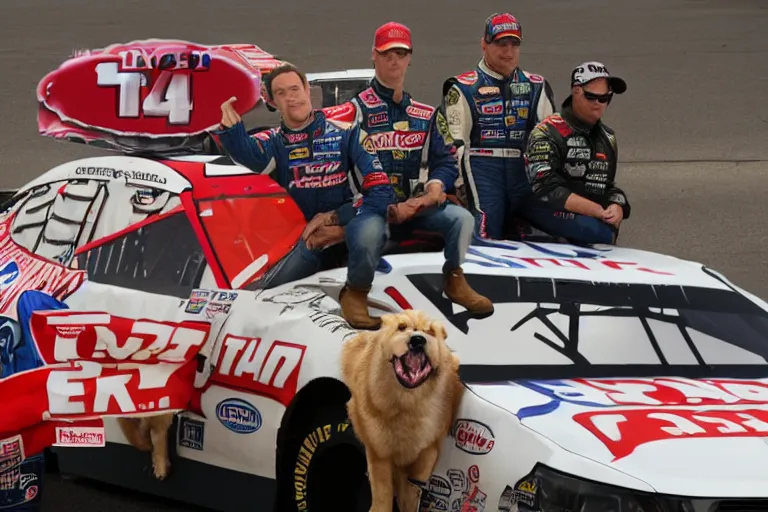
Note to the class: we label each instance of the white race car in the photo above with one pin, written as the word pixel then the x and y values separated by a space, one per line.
pixel 608 378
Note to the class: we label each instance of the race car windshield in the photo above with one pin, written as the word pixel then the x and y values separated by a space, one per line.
pixel 249 233
pixel 558 328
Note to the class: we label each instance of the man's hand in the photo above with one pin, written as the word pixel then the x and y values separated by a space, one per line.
pixel 613 215
pixel 229 116
pixel 435 195
pixel 318 221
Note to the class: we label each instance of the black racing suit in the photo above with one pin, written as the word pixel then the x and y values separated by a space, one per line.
pixel 565 156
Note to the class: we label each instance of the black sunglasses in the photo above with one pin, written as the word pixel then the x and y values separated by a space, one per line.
pixel 602 98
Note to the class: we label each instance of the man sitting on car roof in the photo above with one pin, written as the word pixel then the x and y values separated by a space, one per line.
pixel 409 139
pixel 311 157
pixel 572 157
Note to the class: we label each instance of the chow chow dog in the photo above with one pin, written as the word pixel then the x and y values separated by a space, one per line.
pixel 405 391
pixel 150 434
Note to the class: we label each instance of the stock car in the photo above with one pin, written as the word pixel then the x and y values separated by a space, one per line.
pixel 608 378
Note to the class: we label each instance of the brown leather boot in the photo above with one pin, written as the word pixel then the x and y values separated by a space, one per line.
pixel 458 290
pixel 354 308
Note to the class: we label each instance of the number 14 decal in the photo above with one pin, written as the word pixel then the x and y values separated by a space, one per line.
pixel 169 96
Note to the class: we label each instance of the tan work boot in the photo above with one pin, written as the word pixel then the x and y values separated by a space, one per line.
pixel 458 290
pixel 354 308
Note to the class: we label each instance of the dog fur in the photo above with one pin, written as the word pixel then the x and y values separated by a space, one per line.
pixel 150 434
pixel 401 425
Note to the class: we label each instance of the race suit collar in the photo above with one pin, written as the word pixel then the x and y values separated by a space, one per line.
pixel 387 94
pixel 488 71
pixel 576 123
pixel 315 117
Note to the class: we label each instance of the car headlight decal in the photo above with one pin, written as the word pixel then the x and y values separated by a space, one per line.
pixel 547 490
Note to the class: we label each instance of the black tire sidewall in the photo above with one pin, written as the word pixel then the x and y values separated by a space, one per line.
pixel 304 450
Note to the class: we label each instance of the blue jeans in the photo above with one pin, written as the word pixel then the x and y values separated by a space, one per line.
pixel 366 237
pixel 575 228
pixel 297 264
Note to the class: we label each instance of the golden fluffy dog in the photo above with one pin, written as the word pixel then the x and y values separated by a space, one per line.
pixel 405 392
pixel 150 434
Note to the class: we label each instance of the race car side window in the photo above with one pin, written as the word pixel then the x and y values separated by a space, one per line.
pixel 163 257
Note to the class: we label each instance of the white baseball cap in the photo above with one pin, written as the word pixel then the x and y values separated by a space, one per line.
pixel 588 71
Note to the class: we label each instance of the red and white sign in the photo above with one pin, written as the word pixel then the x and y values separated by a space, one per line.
pixel 152 88
pixel 623 431
pixel 345 112
pixel 65 335
pixel 263 367
pixel 473 437
pixel 98 365
pixel 80 437
pixel 34 273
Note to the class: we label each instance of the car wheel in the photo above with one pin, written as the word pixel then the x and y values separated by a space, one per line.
pixel 323 465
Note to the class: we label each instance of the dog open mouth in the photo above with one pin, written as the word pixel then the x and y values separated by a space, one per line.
pixel 412 369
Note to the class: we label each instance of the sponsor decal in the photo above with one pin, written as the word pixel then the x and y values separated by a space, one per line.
pixel 419 112
pixel 492 134
pixel 295 138
pixel 473 437
pixel 601 156
pixel 577 170
pixel 344 112
pixel 191 433
pixel 80 436
pixel 524 492
pixel 579 153
pixel 401 126
pixel 216 308
pixel 197 302
pixel 661 408
pixel 307 450
pixel 541 146
pixel 599 265
pixel 267 368
pixel 486 90
pixel 468 78
pixel 452 97
pixel 320 180
pixel 238 416
pixel 378 119
pixel 520 89
pixel 323 168
pixel 298 153
pixel 406 141
pixel 370 98
pixel 577 142
pixel 517 135
pixel 492 108
pixel 522 112
pixel 510 120
pixel 442 128
pixel 116 174
pixel 538 157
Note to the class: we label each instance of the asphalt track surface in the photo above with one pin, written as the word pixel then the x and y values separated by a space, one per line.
pixel 692 128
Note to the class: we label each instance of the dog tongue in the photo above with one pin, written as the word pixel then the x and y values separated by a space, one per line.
pixel 414 361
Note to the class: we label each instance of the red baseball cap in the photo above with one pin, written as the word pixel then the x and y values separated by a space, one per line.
pixel 392 35
pixel 502 25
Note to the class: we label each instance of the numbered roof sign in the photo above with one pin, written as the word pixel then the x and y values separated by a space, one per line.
pixel 149 89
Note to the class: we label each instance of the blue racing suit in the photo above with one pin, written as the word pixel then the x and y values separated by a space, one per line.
pixel 490 118
pixel 412 142
pixel 322 166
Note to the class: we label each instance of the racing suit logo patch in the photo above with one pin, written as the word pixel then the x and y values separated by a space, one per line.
pixel 389 141
pixel 492 108
pixel 418 112
pixel 492 134
pixel 298 154
pixel 370 98
pixel 486 91
pixel 378 119
pixel 520 89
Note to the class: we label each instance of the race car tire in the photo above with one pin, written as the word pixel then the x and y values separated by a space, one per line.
pixel 324 465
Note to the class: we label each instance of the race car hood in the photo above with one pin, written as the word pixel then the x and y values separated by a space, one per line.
pixel 680 436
